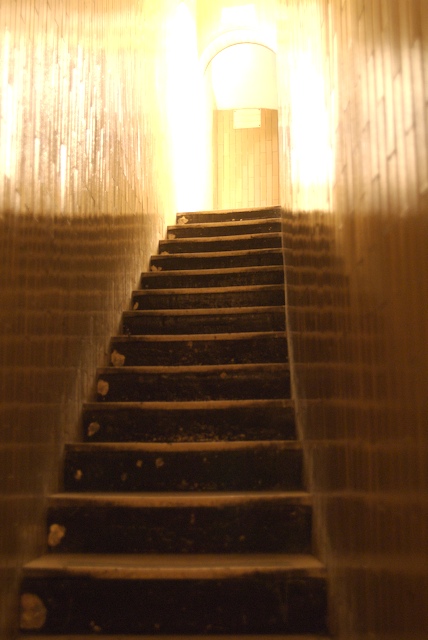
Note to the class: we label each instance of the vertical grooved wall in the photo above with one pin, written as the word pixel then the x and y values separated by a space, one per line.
pixel 354 148
pixel 87 90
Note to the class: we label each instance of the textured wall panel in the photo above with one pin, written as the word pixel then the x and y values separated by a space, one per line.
pixel 353 137
pixel 86 187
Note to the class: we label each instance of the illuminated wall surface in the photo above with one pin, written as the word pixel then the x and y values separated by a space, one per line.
pixel 354 157
pixel 90 98
pixel 245 162
pixel 104 129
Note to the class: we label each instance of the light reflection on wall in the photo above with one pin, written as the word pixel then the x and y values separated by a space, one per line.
pixel 357 256
pixel 189 114
pixel 306 124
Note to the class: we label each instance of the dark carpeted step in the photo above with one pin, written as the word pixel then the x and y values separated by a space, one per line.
pixel 125 594
pixel 195 522
pixel 217 260
pixel 231 420
pixel 219 348
pixel 223 228
pixel 191 321
pixel 228 215
pixel 201 382
pixel 208 466
pixel 209 298
pixel 195 278
pixel 233 243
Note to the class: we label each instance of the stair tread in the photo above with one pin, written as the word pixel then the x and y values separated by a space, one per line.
pixel 208 311
pixel 214 272
pixel 174 637
pixel 175 499
pixel 243 210
pixel 195 368
pixel 198 337
pixel 208 290
pixel 240 238
pixel 223 223
pixel 176 447
pixel 192 405
pixel 221 254
pixel 172 566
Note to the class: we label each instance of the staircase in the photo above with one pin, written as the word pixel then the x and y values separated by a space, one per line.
pixel 183 511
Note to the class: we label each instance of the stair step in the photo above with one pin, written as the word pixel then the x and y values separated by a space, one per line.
pixel 231 420
pixel 198 382
pixel 100 636
pixel 212 297
pixel 195 522
pixel 209 466
pixel 228 215
pixel 223 228
pixel 232 243
pixel 199 349
pixel 217 260
pixel 202 278
pixel 128 594
pixel 202 321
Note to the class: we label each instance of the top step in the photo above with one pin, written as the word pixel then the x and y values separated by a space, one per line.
pixel 228 215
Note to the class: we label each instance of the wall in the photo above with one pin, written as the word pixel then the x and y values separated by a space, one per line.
pixel 356 237
pixel 88 181
pixel 245 162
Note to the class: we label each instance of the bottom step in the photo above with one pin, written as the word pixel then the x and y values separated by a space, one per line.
pixel 201 594
pixel 175 637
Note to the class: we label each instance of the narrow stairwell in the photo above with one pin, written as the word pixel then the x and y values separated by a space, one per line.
pixel 183 511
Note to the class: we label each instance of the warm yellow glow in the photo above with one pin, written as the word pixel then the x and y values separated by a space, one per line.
pixel 189 114
pixel 244 15
pixel 305 119
pixel 311 155
pixel 244 76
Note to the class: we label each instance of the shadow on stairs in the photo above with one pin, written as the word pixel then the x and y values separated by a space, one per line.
pixel 183 511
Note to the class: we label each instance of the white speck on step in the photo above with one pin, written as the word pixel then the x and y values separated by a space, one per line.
pixel 102 387
pixel 159 462
pixel 183 220
pixel 78 474
pixel 165 253
pixel 171 236
pixel 56 534
pixel 117 359
pixel 139 464
pixel 33 612
pixel 93 428
pixel 95 627
pixel 135 307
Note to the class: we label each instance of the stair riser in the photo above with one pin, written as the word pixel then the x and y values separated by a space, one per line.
pixel 165 280
pixel 208 300
pixel 137 424
pixel 124 386
pixel 200 352
pixel 255 604
pixel 200 217
pixel 264 258
pixel 270 241
pixel 153 324
pixel 241 470
pixel 264 527
pixel 187 231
